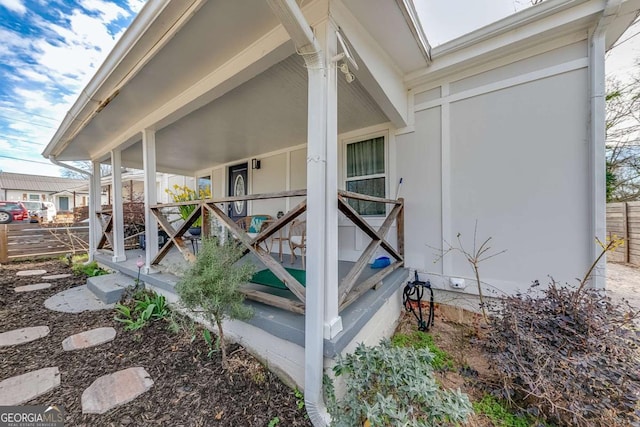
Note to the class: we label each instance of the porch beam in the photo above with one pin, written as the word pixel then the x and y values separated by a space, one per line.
pixel 351 213
pixel 274 300
pixel 367 198
pixel 280 272
pixel 150 196
pixel 118 212
pixel 95 202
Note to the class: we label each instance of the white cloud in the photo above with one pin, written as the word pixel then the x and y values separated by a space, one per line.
pixel 16 6
pixel 47 69
pixel 136 5
pixel 109 11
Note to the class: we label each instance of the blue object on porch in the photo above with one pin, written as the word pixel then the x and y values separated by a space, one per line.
pixel 256 223
pixel 267 278
pixel 381 262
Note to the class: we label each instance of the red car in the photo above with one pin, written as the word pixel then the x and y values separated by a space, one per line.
pixel 12 211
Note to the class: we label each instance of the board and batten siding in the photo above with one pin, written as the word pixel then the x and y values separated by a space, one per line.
pixel 500 148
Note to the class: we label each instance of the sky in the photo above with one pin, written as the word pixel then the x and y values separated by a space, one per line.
pixel 50 49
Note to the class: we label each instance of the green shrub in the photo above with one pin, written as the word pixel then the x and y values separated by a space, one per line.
pixel 144 307
pixel 393 386
pixel 442 361
pixel 211 286
pixel 499 414
pixel 91 269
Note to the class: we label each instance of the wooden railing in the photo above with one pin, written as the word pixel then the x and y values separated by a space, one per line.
pixel 350 287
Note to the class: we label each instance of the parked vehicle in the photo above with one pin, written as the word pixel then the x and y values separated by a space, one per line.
pixel 12 211
pixel 37 211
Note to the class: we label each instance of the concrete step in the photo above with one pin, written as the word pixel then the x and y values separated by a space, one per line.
pixel 110 287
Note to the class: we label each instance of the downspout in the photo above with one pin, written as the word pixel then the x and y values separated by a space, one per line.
pixel 57 162
pixel 597 156
pixel 307 45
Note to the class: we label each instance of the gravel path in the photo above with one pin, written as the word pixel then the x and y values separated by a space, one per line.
pixel 623 281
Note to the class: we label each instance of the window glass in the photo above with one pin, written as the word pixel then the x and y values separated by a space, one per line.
pixel 366 174
pixel 204 187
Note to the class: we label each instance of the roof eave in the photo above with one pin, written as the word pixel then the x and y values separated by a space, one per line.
pixel 101 89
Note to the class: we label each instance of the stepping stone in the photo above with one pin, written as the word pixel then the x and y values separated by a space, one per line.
pixel 23 388
pixel 76 300
pixel 89 338
pixel 31 272
pixel 35 287
pixel 24 335
pixel 56 276
pixel 115 389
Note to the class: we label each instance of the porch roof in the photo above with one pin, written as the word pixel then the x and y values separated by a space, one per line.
pixel 218 82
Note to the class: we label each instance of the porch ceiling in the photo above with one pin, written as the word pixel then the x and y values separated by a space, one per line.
pixel 267 113
pixel 218 82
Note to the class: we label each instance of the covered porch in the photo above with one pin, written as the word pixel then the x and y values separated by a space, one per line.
pixel 302 97
pixel 355 278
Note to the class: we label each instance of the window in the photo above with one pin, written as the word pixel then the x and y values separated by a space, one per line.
pixel 366 174
pixel 204 187
pixel 34 197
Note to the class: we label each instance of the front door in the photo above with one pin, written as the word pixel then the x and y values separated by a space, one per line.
pixel 238 187
pixel 64 203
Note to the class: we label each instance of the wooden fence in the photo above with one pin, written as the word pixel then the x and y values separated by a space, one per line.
pixel 28 241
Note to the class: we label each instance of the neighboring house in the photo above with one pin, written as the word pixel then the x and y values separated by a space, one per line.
pixel 65 193
pixel 503 126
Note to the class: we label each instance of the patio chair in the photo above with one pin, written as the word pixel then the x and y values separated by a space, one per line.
pixel 254 224
pixel 298 239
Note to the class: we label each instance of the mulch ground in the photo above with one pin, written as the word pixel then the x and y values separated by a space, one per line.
pixel 190 388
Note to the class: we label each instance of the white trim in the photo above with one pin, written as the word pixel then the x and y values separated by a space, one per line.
pixel 343 179
pixel 479 67
pixel 150 196
pixel 119 254
pixel 445 170
pixel 507 83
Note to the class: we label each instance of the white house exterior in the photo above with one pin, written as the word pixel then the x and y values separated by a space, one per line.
pixel 503 127
pixel 64 193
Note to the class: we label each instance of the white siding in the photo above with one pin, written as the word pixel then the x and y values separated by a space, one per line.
pixel 507 148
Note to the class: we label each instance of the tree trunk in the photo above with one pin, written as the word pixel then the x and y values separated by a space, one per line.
pixel 222 343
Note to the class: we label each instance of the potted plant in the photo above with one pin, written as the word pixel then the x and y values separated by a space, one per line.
pixel 186 194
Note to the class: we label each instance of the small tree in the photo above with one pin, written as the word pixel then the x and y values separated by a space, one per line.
pixel 211 286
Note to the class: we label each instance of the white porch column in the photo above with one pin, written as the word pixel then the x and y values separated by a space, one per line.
pixel 150 195
pixel 118 214
pixel 326 34
pixel 95 204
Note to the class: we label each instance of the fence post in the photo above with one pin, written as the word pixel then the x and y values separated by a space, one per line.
pixel 625 228
pixel 4 243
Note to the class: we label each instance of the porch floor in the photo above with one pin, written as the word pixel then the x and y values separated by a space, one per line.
pixel 278 322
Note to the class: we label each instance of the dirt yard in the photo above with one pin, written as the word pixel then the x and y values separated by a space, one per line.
pixel 623 282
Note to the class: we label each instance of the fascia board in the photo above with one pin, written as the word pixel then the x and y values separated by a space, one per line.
pixel 510 31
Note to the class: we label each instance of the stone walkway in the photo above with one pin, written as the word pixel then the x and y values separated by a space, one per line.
pixel 107 391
